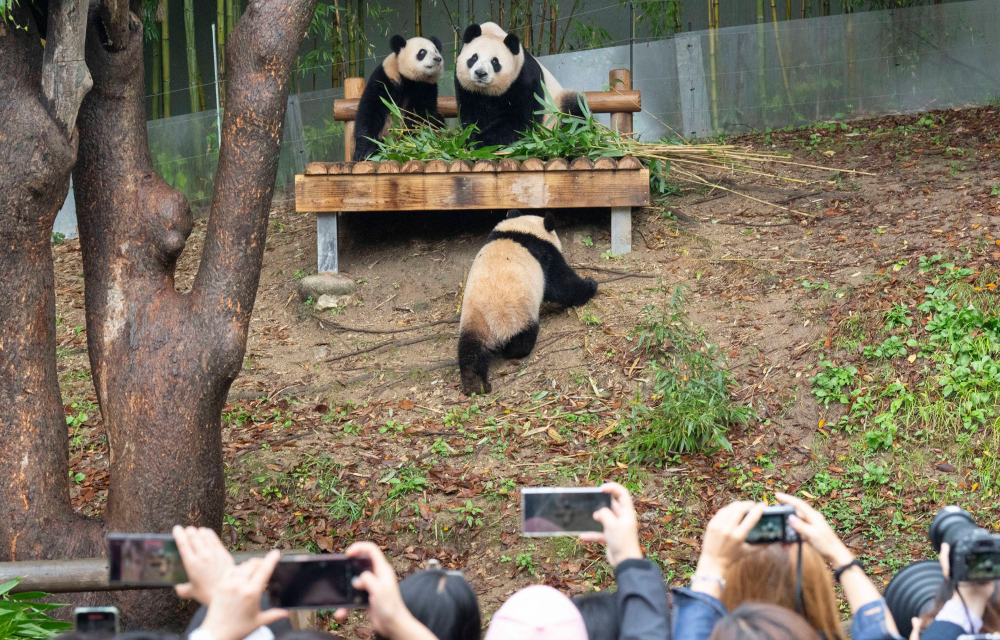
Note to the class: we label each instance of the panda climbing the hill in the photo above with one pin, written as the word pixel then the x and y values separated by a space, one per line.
pixel 520 265
pixel 496 82
pixel 408 76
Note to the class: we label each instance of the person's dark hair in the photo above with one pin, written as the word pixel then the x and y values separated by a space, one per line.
pixel 600 615
pixel 444 603
pixel 991 618
pixel 763 622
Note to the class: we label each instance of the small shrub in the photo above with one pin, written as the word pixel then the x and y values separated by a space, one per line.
pixel 22 617
pixel 833 384
pixel 690 408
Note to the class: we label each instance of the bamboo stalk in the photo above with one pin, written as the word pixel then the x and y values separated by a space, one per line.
pixel 361 40
pixel 761 54
pixel 192 56
pixel 230 18
pixel 804 8
pixel 165 49
pixel 157 79
pixel 418 7
pixel 712 27
pixel 788 10
pixel 337 49
pixel 220 35
pixel 352 55
pixel 528 27
pixel 781 56
pixel 552 29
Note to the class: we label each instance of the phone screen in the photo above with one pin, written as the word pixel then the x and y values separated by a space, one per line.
pixel 561 511
pixel 145 559
pixel 318 582
pixel 96 620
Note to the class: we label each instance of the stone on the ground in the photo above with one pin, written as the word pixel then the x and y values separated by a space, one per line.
pixel 326 283
pixel 327 301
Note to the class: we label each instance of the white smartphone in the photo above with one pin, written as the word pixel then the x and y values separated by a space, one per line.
pixel 561 511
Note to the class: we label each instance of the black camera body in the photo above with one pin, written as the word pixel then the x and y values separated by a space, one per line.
pixel 773 526
pixel 974 554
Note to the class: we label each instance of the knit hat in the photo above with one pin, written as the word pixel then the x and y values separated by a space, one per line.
pixel 537 613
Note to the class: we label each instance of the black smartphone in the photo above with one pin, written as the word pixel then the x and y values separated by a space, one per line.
pixel 103 620
pixel 145 559
pixel 773 526
pixel 561 511
pixel 318 582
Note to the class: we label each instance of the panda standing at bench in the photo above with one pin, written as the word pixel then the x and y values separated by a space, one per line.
pixel 496 82
pixel 407 77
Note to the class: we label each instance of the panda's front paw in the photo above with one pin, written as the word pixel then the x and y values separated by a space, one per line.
pixel 589 289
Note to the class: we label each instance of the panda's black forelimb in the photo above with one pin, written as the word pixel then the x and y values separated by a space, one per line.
pixel 371 115
pixel 474 364
pixel 521 345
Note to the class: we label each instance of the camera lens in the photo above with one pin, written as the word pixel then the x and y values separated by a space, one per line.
pixel 950 525
pixel 912 592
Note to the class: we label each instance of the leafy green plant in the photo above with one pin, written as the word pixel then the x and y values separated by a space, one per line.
pixel 57 237
pixel 525 562
pixel 875 475
pixel 403 481
pixel 833 384
pixel 470 514
pixel 893 347
pixel 23 617
pixel 690 408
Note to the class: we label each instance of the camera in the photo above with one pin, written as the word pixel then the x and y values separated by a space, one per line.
pixel 773 526
pixel 975 554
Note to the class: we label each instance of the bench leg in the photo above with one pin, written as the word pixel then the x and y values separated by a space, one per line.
pixel 621 230
pixel 326 242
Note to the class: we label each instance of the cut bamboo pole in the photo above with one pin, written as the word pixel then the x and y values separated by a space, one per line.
pixel 712 32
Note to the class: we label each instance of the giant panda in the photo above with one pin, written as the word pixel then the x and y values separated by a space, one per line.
pixel 520 265
pixel 496 82
pixel 408 76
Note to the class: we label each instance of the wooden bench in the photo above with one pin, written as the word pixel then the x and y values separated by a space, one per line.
pixel 336 187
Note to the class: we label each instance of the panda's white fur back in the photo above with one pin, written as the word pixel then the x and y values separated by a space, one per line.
pixel 503 293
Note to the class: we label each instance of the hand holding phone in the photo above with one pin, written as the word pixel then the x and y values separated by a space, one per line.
pixel 102 620
pixel 621 526
pixel 318 582
pixel 562 511
pixel 235 609
pixel 206 560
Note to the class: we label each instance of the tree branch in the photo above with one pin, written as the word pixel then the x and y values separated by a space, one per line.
pixel 65 77
pixel 260 56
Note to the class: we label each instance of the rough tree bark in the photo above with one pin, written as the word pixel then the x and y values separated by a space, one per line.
pixel 38 146
pixel 162 361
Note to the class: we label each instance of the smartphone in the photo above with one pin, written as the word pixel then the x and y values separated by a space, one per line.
pixel 96 620
pixel 318 582
pixel 145 559
pixel 561 511
pixel 773 526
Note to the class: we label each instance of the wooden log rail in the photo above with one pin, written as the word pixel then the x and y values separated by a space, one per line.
pixel 346 109
pixel 86 574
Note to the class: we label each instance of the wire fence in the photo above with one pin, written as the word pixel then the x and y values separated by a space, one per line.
pixel 700 84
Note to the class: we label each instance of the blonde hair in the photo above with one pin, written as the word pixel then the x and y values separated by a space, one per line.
pixel 767 574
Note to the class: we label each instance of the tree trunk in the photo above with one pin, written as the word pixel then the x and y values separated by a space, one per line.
pixel 165 46
pixel 157 79
pixel 41 95
pixel 417 10
pixel 162 361
pixel 220 54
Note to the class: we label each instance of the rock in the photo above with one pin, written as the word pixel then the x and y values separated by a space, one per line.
pixel 326 283
pixel 327 301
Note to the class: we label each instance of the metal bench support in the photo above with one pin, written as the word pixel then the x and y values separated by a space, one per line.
pixel 326 242
pixel 621 230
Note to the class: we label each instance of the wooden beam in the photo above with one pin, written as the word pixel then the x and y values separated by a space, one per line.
pixel 484 190
pixel 346 110
pixel 353 88
pixel 621 80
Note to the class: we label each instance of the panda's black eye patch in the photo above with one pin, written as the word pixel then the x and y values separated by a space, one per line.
pixel 473 60
pixel 421 54
pixel 496 65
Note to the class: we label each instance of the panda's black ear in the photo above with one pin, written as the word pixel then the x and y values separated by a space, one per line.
pixel 513 43
pixel 436 43
pixel 398 43
pixel 550 221
pixel 472 32
pixel 514 213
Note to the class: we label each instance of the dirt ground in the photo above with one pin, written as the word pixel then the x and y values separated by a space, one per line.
pixel 348 424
